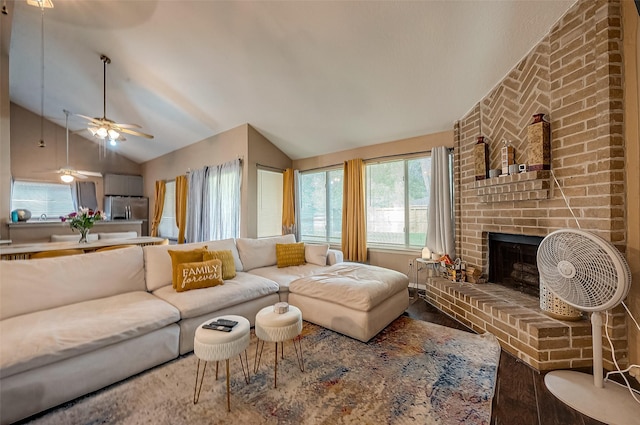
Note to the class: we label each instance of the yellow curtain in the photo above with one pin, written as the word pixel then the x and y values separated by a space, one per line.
pixel 181 206
pixel 354 224
pixel 288 202
pixel 161 189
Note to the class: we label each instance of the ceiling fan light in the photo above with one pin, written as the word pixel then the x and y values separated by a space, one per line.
pixel 113 135
pixel 112 142
pixel 45 4
pixel 102 133
pixel 67 178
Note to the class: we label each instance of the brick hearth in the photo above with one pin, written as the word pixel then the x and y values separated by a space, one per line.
pixel 516 320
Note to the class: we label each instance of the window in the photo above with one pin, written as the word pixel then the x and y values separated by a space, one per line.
pixel 269 203
pixel 321 206
pixel 52 199
pixel 397 194
pixel 168 228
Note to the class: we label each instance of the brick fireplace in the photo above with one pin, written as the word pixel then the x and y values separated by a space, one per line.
pixel 574 76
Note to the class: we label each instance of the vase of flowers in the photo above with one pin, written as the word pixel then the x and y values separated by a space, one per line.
pixel 82 221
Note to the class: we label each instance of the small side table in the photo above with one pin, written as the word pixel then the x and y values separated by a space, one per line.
pixel 431 266
pixel 278 327
pixel 211 345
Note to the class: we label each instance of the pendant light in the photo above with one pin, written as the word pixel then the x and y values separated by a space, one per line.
pixel 42 5
pixel 67 177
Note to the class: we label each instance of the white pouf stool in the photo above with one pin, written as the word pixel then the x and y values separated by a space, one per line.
pixel 278 327
pixel 211 345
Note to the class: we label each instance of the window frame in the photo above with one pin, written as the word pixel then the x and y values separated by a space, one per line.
pixel 405 159
pixel 328 229
pixel 51 215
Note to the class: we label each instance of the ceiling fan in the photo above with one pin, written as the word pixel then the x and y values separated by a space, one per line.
pixel 104 128
pixel 67 173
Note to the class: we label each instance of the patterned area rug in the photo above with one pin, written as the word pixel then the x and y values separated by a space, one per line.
pixel 412 372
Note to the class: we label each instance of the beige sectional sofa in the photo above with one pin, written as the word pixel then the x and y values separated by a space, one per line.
pixel 72 325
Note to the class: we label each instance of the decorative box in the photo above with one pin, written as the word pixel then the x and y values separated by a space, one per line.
pixel 508 157
pixel 481 158
pixel 539 147
pixel 281 308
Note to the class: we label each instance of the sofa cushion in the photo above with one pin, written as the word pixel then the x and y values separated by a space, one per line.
pixel 316 254
pixel 289 254
pixel 358 286
pixel 48 336
pixel 260 252
pixel 158 263
pixel 284 276
pixel 181 256
pixel 202 274
pixel 228 264
pixel 27 286
pixel 244 287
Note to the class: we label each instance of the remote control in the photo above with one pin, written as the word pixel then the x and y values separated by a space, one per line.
pixel 217 327
pixel 224 322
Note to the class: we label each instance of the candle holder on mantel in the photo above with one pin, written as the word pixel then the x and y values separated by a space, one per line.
pixel 539 147
pixel 481 158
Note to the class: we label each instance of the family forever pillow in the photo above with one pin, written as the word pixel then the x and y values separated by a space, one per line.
pixel 316 254
pixel 202 274
pixel 180 256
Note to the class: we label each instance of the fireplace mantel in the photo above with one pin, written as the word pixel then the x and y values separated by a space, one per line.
pixel 515 187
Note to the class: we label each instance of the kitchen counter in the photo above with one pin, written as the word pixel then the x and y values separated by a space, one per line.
pixel 35 231
pixel 58 223
pixel 24 251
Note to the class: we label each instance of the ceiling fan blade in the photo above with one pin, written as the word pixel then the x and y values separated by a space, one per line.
pixel 137 133
pixel 78 175
pixel 93 120
pixel 127 125
pixel 89 173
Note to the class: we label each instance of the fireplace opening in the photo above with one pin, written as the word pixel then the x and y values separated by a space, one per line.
pixel 512 262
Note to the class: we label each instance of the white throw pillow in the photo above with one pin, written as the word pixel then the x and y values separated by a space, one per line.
pixel 316 254
pixel 256 253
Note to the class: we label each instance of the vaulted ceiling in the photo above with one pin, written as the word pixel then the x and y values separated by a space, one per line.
pixel 314 77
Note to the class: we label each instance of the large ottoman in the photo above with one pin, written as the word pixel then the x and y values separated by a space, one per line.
pixel 355 299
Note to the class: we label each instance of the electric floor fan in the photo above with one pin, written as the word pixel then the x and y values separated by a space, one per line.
pixel 588 273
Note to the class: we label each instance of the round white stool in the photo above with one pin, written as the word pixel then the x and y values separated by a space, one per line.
pixel 278 327
pixel 211 345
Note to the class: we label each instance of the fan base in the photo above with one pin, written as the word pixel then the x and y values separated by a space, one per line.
pixel 612 404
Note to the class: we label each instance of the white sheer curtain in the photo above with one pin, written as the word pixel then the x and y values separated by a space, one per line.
pixel 225 183
pixel 440 230
pixel 213 209
pixel 198 206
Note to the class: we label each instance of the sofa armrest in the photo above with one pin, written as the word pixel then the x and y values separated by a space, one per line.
pixel 334 256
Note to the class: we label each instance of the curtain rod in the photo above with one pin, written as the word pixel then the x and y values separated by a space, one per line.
pixel 269 167
pixel 373 159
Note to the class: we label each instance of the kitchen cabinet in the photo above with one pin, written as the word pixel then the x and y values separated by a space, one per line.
pixel 123 185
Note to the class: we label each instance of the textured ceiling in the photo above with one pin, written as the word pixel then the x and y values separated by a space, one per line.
pixel 314 77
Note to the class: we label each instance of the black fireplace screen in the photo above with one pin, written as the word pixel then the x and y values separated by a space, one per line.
pixel 512 262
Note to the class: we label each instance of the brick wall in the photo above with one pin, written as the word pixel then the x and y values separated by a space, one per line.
pixel 574 75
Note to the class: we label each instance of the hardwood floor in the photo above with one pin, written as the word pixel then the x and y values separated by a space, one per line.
pixel 521 396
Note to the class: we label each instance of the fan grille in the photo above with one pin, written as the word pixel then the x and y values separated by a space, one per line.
pixel 583 269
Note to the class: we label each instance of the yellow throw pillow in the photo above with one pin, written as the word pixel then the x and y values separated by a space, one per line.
pixel 182 256
pixel 290 254
pixel 201 274
pixel 228 263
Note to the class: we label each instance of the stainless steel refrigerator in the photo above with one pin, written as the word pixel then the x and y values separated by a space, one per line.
pixel 128 208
